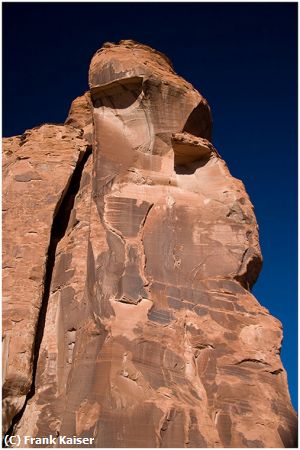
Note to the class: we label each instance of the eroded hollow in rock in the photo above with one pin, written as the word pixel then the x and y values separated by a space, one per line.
pixel 199 122
pixel 190 153
pixel 120 94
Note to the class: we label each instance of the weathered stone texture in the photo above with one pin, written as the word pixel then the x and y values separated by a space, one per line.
pixel 151 335
pixel 37 167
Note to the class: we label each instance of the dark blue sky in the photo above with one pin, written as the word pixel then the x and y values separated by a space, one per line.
pixel 241 56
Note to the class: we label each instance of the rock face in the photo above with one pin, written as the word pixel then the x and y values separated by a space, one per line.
pixel 128 316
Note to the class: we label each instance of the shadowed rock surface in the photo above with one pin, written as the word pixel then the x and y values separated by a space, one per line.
pixel 127 313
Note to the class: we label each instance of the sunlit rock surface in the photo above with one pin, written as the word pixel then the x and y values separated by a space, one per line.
pixel 141 331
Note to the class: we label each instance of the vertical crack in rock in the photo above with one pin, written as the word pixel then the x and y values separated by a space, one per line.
pixel 59 227
pixel 142 248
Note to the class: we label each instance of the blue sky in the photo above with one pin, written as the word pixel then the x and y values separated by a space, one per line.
pixel 241 56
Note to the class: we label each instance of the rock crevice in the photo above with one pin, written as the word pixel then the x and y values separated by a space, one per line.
pixel 58 230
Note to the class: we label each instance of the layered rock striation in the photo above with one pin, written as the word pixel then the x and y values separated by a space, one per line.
pixel 129 256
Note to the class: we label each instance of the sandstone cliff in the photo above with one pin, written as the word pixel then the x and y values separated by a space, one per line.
pixel 129 255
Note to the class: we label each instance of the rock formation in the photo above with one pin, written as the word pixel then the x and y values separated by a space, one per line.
pixel 129 255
